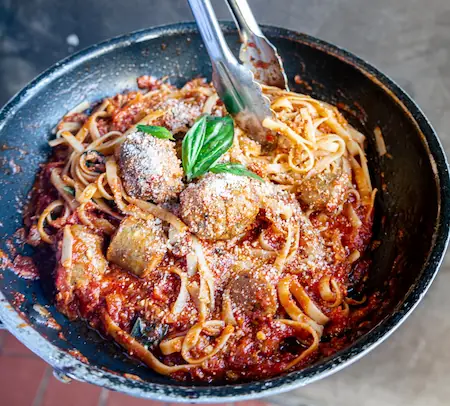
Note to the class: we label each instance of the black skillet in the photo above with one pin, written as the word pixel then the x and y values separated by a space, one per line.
pixel 413 206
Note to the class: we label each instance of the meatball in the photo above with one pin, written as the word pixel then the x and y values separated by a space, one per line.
pixel 281 208
pixel 150 168
pixel 220 206
pixel 180 115
pixel 325 190
pixel 253 292
pixel 138 245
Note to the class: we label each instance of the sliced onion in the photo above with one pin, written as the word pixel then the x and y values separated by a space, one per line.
pixel 183 294
pixel 352 216
pixel 66 250
pixel 227 308
pixel 210 103
pixel 192 263
pixel 206 277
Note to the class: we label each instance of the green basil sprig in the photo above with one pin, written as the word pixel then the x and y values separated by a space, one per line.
pixel 191 146
pixel 157 131
pixel 218 139
pixel 235 169
pixel 203 145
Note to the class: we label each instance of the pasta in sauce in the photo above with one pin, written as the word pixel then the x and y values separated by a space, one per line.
pixel 225 277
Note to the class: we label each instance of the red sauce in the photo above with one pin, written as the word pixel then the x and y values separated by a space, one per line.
pixel 25 267
pixel 264 346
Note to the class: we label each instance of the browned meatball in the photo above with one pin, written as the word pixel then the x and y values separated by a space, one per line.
pixel 220 206
pixel 281 208
pixel 138 245
pixel 325 190
pixel 253 292
pixel 150 168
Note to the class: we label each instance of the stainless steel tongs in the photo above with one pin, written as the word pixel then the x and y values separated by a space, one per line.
pixel 239 85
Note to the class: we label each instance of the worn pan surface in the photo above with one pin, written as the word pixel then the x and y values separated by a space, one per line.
pixel 414 197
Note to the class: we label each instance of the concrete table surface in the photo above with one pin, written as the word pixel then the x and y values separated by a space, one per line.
pixel 407 39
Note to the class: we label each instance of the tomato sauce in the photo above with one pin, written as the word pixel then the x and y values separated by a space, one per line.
pixel 261 345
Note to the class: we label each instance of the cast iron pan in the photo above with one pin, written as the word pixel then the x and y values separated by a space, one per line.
pixel 413 206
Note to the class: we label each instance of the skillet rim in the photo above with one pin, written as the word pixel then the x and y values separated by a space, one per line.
pixel 66 364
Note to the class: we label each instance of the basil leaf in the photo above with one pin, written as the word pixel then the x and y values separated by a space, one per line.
pixel 149 335
pixel 70 190
pixel 136 331
pixel 235 169
pixel 218 140
pixel 214 125
pixel 192 144
pixel 157 131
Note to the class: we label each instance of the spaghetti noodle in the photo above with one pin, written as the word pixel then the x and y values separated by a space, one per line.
pixel 223 277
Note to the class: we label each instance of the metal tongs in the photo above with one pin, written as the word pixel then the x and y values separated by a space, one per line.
pixel 239 86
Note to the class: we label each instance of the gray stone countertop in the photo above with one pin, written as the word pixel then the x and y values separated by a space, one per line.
pixel 407 39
